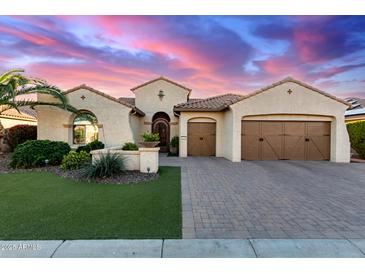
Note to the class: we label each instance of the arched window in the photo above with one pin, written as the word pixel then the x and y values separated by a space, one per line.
pixel 85 129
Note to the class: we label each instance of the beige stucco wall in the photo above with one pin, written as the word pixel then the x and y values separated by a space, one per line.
pixel 186 117
pixel 148 101
pixel 131 159
pixel 8 122
pixel 116 124
pixel 302 103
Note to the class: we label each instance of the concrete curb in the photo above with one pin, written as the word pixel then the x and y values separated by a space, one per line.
pixel 187 248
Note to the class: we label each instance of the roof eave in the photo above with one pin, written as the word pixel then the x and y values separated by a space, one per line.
pixel 164 79
pixel 138 111
pixel 107 96
pixel 201 109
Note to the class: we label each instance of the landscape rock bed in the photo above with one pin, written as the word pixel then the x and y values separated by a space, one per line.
pixel 127 177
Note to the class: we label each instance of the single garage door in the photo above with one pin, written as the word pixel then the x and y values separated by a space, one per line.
pixel 201 138
pixel 285 140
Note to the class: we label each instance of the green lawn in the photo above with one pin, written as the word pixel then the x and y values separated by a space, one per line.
pixel 38 205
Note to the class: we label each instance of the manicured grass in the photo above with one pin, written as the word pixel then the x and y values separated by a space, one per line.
pixel 39 205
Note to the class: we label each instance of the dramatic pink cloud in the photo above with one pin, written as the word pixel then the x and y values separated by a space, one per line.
pixel 210 54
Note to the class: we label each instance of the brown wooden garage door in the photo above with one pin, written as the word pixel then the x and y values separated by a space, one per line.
pixel 285 140
pixel 201 139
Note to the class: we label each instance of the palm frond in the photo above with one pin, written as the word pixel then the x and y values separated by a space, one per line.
pixel 66 107
pixel 44 89
pixel 14 84
pixel 8 74
pixel 9 105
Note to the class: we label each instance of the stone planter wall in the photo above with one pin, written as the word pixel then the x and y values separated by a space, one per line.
pixel 145 159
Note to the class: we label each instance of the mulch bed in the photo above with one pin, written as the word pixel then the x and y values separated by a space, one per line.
pixel 127 177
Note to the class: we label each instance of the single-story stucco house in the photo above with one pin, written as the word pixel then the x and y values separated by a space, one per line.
pixel 288 120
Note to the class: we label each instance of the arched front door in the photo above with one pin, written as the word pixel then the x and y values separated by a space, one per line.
pixel 161 125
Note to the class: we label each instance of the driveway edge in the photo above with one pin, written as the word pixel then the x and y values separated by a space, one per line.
pixel 188 224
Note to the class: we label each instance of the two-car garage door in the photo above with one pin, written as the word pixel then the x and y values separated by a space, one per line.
pixel 285 140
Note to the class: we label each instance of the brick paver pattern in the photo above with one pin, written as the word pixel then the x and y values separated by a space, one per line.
pixel 271 199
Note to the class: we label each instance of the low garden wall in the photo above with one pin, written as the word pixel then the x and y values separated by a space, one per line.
pixel 144 159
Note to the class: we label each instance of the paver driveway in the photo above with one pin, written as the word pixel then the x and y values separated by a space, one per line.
pixel 271 199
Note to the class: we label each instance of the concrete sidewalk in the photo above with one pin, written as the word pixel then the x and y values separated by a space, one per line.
pixel 261 248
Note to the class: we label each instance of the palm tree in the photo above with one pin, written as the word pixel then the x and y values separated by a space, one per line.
pixel 14 85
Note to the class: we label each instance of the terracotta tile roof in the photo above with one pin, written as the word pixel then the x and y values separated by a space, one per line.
pixel 29 111
pixel 83 86
pixel 26 113
pixel 216 103
pixel 164 79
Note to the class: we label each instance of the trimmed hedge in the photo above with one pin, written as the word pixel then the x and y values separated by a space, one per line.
pixel 17 135
pixel 130 146
pixel 34 153
pixel 75 160
pixel 357 137
pixel 91 146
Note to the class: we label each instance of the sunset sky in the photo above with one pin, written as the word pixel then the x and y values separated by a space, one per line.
pixel 210 54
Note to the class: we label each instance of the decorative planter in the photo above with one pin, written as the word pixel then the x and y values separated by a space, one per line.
pixel 144 159
pixel 173 150
pixel 149 144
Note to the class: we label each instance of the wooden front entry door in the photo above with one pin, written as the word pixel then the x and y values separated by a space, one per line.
pixel 285 140
pixel 201 139
pixel 162 127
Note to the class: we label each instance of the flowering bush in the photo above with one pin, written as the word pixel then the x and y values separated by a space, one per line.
pixel 75 160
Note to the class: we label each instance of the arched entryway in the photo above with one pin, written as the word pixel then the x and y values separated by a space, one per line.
pixel 161 125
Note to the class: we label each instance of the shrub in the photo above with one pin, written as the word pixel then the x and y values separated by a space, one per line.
pixel 19 134
pixel 357 137
pixel 91 146
pixel 75 160
pixel 33 153
pixel 174 141
pixel 130 146
pixel 108 165
pixel 150 137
